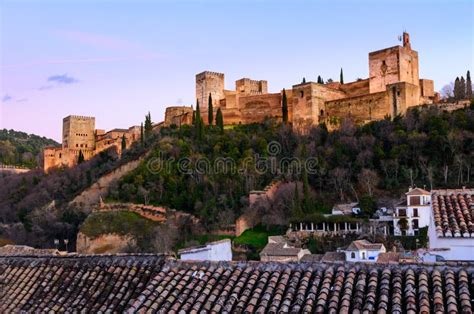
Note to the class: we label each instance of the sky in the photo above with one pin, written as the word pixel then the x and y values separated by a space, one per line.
pixel 118 60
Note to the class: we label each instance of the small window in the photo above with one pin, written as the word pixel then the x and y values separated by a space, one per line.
pixel 77 145
pixel 415 212
pixel 301 94
pixel 363 255
pixel 60 155
pixel 353 255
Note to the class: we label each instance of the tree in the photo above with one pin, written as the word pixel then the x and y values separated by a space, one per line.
pixel 284 108
pixel 468 85
pixel 368 179
pixel 124 143
pixel 341 77
pixel 141 134
pixel 304 80
pixel 80 158
pixel 462 88
pixel 148 125
pixel 210 112
pixel 199 123
pixel 320 80
pixel 220 120
pixel 457 84
pixel 448 91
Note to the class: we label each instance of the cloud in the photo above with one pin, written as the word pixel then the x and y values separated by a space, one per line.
pixel 7 98
pixel 22 100
pixel 46 87
pixel 63 79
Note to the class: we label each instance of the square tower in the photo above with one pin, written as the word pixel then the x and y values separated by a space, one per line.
pixel 209 83
pixel 79 133
pixel 393 65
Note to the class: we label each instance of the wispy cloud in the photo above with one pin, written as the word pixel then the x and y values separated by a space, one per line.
pixel 7 98
pixel 46 87
pixel 63 79
pixel 22 100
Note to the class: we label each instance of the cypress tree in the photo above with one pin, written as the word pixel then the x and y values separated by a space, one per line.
pixel 342 77
pixel 462 88
pixel 141 134
pixel 80 158
pixel 456 88
pixel 304 80
pixel 296 210
pixel 468 86
pixel 284 108
pixel 210 110
pixel 124 143
pixel 199 124
pixel 193 121
pixel 320 80
pixel 220 120
pixel 148 125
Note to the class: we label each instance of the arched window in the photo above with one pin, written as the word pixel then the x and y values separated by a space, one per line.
pixel 353 255
pixel 301 94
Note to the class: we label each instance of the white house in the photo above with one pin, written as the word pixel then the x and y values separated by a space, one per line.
pixel 413 213
pixel 213 251
pixel 451 231
pixel 279 250
pixel 364 251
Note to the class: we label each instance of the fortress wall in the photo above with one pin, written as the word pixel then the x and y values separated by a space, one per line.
pixel 356 88
pixel 255 108
pixel 178 115
pixel 361 109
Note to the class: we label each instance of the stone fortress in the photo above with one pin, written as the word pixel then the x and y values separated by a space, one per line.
pixel 80 135
pixel 393 86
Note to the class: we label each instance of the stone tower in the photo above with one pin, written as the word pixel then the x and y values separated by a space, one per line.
pixel 209 83
pixel 393 65
pixel 79 133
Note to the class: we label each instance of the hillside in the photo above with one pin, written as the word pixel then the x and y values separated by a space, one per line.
pixel 427 147
pixel 22 149
pixel 211 177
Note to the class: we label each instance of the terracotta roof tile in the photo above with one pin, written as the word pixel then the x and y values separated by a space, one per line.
pixel 142 283
pixel 453 212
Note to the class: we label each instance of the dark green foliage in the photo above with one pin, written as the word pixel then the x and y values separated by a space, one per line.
pixel 368 205
pixel 124 143
pixel 142 139
pixel 148 126
pixel 220 120
pixel 80 158
pixel 341 77
pixel 284 108
pixel 304 80
pixel 22 149
pixel 210 110
pixel 468 85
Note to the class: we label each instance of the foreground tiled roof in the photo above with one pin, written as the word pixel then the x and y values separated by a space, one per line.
pixel 141 283
pixel 453 212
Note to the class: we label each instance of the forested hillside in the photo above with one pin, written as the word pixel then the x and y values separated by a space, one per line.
pixel 209 172
pixel 427 147
pixel 22 149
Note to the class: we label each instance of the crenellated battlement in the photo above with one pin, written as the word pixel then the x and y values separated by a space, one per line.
pixel 210 73
pixel 79 117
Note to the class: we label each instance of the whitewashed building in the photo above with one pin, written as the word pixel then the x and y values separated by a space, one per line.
pixel 451 231
pixel 364 251
pixel 413 213
pixel 213 251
